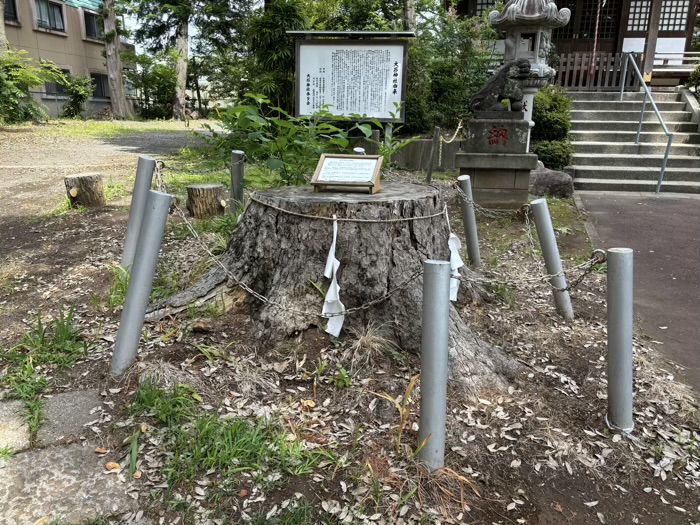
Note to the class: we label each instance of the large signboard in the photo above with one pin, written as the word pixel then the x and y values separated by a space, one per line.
pixel 351 77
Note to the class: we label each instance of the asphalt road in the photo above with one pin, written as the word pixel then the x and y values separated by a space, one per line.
pixel 664 232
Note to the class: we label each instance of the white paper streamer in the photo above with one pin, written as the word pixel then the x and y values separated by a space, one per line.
pixel 332 304
pixel 455 264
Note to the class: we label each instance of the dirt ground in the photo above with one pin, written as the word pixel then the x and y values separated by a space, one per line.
pixel 536 453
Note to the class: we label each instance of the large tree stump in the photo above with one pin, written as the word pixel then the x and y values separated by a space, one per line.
pixel 86 190
pixel 206 200
pixel 279 255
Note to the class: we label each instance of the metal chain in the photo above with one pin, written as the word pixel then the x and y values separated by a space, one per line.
pixel 160 183
pixel 484 211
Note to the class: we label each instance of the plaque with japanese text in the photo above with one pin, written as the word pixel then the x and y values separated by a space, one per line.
pixel 351 77
pixel 335 172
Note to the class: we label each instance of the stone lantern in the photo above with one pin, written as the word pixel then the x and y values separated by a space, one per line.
pixel 528 27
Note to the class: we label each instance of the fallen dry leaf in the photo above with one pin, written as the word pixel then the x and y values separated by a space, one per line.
pixel 137 474
pixel 111 465
pixel 557 506
pixel 100 450
pixel 243 493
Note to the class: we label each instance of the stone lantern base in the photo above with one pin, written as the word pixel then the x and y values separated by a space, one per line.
pixel 497 159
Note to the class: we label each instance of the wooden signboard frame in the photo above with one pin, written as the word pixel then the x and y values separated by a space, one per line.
pixel 372 183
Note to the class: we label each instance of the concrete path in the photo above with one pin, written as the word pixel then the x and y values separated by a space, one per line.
pixel 64 479
pixel 664 231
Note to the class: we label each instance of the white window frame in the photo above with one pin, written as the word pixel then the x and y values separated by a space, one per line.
pixel 35 21
pixel 18 11
pixel 83 27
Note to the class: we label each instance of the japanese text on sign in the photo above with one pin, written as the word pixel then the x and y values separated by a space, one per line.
pixel 347 170
pixel 363 78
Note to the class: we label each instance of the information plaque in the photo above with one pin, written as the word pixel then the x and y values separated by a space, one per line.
pixel 348 171
pixel 351 77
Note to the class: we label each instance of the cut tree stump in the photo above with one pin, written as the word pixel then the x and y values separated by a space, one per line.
pixel 86 189
pixel 206 200
pixel 282 256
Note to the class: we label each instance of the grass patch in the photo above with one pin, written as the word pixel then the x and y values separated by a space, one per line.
pixel 6 453
pixel 116 189
pixel 104 129
pixel 45 346
pixel 203 441
pixel 65 207
pixel 116 296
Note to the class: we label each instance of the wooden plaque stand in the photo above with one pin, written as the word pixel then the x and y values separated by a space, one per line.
pixel 348 172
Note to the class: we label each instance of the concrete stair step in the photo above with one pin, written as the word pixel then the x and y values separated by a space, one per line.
pixel 610 125
pixel 625 105
pixel 633 173
pixel 635 161
pixel 630 116
pixel 619 148
pixel 636 185
pixel 611 96
pixel 658 137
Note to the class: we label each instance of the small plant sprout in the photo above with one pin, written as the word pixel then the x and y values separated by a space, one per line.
pixel 404 405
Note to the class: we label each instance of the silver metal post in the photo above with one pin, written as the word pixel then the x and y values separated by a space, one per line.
pixel 388 132
pixel 641 117
pixel 552 261
pixel 140 281
pixel 434 349
pixel 663 166
pixel 469 220
pixel 237 174
pixel 623 78
pixel 144 179
pixel 620 324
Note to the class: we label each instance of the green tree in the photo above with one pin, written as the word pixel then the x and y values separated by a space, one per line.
pixel 154 80
pixel 272 50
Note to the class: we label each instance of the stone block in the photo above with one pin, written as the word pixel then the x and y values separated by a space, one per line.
pixel 65 484
pixel 14 432
pixel 507 161
pixel 500 199
pixel 497 136
pixel 499 115
pixel 67 414
pixel 497 179
pixel 522 180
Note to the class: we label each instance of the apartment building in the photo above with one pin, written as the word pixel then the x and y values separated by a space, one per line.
pixel 68 33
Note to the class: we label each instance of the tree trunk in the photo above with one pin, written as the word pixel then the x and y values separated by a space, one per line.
pixel 282 257
pixel 206 200
pixel 181 69
pixel 409 15
pixel 120 107
pixel 86 190
pixel 3 36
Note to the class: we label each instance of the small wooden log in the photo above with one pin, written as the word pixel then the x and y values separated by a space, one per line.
pixel 86 189
pixel 206 200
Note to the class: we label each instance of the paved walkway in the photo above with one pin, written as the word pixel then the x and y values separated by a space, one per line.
pixel 664 231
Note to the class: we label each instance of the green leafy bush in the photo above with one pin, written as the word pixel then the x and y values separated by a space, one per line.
pixel 19 73
pixel 78 89
pixel 554 154
pixel 694 79
pixel 154 81
pixel 289 146
pixel 552 114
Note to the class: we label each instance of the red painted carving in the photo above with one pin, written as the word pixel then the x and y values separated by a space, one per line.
pixel 497 135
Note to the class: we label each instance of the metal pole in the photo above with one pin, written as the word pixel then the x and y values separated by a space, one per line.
pixel 144 179
pixel 237 174
pixel 388 132
pixel 140 281
pixel 663 166
pixel 469 220
pixel 623 78
pixel 552 261
pixel 620 323
pixel 433 151
pixel 641 117
pixel 434 349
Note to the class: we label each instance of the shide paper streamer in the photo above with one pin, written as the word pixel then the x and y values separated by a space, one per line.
pixel 332 304
pixel 455 264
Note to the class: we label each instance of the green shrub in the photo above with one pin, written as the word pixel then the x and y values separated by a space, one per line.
pixel 78 89
pixel 551 114
pixel 19 73
pixel 289 146
pixel 554 154
pixel 694 79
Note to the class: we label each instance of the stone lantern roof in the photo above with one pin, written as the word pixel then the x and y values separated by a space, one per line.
pixel 525 14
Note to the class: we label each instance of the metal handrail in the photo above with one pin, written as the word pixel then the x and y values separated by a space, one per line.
pixel 647 94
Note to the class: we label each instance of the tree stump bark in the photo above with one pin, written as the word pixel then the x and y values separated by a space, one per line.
pixel 282 256
pixel 86 190
pixel 206 200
